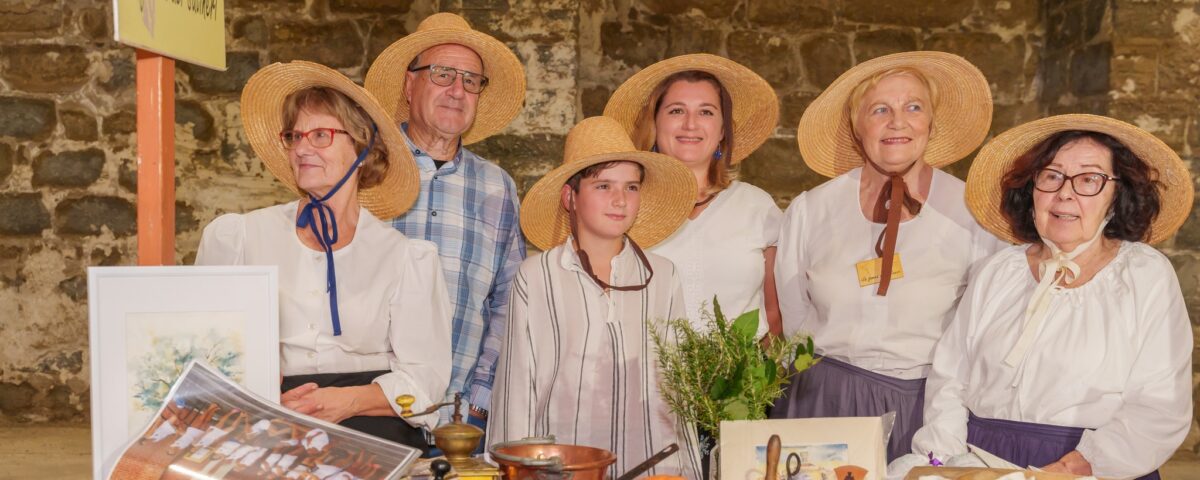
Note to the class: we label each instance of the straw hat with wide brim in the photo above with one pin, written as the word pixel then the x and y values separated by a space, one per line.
pixel 755 106
pixel 984 189
pixel 262 118
pixel 961 119
pixel 500 101
pixel 668 192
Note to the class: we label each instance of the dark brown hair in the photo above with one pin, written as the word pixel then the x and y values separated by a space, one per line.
pixel 1135 204
pixel 721 172
pixel 354 119
pixel 594 171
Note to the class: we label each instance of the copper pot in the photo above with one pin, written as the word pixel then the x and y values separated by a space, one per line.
pixel 542 459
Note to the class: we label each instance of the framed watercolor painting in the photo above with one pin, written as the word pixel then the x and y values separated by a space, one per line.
pixel 148 323
pixel 824 448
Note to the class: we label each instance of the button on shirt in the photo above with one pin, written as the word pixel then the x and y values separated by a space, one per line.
pixel 579 364
pixel 392 300
pixel 469 208
pixel 825 233
pixel 1113 355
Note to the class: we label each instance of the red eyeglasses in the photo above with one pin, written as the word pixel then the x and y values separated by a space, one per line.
pixel 317 137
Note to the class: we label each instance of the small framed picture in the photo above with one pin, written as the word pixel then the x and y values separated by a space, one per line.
pixel 148 323
pixel 811 448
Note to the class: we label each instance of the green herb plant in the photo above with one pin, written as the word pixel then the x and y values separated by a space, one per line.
pixel 723 372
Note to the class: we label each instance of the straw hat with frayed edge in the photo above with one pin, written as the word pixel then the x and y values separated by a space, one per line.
pixel 499 102
pixel 984 189
pixel 262 112
pixel 668 192
pixel 755 106
pixel 961 120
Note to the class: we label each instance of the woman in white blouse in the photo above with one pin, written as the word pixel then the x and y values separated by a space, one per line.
pixel 1071 351
pixel 710 113
pixel 881 129
pixel 364 313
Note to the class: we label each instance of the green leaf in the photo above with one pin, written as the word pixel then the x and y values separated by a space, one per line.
pixel 746 325
pixel 721 389
pixel 737 410
pixel 718 315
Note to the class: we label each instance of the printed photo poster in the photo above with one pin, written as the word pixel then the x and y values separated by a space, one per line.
pixel 160 345
pixel 210 427
pixel 825 448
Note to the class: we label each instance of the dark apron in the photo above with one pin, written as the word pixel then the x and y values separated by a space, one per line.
pixel 387 428
pixel 1026 444
pixel 838 389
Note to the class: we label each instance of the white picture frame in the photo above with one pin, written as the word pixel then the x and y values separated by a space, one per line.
pixel 835 442
pixel 144 320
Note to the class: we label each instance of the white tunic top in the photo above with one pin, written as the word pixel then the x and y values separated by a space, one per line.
pixel 825 234
pixel 392 300
pixel 1114 355
pixel 580 364
pixel 720 253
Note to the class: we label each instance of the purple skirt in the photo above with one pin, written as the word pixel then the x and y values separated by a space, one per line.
pixel 837 389
pixel 1026 444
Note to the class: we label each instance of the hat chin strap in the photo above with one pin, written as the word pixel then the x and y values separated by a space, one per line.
pixel 1060 266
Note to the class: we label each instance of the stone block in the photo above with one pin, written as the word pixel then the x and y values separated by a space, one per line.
pixel 768 55
pixel 1003 63
pixel 1055 76
pixel 16 398
pixel 46 68
pixel 1090 69
pixel 193 113
pixel 127 176
pixel 27 118
pixel 384 32
pixel 29 19
pixel 523 155
pixel 8 156
pixel 1187 269
pixel 593 100
pixel 1064 28
pixel 792 107
pixel 251 30
pixel 1093 17
pixel 777 168
pixel 239 67
pixel 826 57
pixel 74 287
pixel 185 217
pixel 1011 13
pixel 86 215
pixel 877 43
pixel 93 24
pixel 124 122
pixel 915 13
pixel 791 14
pixel 79 125
pixel 78 168
pixel 336 44
pixel 688 35
pixel 390 7
pixel 637 45
pixel 23 214
pixel 710 8
pixel 1179 69
pixel 1133 69
pixel 1143 20
pixel 122 74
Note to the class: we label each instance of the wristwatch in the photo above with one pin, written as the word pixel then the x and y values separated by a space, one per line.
pixel 478 412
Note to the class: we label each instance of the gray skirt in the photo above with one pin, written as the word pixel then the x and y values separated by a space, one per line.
pixel 837 389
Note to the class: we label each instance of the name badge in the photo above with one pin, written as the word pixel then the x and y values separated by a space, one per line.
pixel 869 270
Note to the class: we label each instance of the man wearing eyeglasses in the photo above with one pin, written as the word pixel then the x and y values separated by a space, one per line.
pixel 451 86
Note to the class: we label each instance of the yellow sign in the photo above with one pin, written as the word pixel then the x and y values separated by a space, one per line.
pixel 868 270
pixel 189 30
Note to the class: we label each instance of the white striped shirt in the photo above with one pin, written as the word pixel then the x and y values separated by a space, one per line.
pixel 580 364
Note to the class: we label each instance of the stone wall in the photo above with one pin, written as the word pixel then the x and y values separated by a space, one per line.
pixel 67 174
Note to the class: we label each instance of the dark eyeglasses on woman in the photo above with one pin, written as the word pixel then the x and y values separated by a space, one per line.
pixel 1086 184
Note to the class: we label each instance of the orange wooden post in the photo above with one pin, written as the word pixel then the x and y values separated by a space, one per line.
pixel 156 159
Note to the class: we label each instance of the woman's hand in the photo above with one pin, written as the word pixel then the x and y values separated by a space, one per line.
pixel 334 404
pixel 1072 463
pixel 297 399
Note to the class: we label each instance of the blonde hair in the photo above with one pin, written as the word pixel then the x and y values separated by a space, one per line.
pixel 855 100
pixel 721 171
pixel 354 119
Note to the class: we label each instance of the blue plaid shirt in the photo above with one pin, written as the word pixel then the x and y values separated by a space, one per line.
pixel 469 208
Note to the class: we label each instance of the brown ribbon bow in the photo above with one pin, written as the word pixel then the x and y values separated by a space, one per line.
pixel 895 192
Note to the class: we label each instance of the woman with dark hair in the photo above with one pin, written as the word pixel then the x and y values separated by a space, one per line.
pixel 1071 351
pixel 710 113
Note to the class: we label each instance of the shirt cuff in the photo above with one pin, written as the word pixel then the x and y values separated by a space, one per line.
pixel 393 386
pixel 479 396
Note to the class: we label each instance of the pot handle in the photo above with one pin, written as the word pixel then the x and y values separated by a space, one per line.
pixel 553 463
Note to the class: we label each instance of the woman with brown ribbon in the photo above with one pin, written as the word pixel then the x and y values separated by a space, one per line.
pixel 875 299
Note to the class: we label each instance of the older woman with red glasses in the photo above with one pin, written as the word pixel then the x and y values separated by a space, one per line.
pixel 364 313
